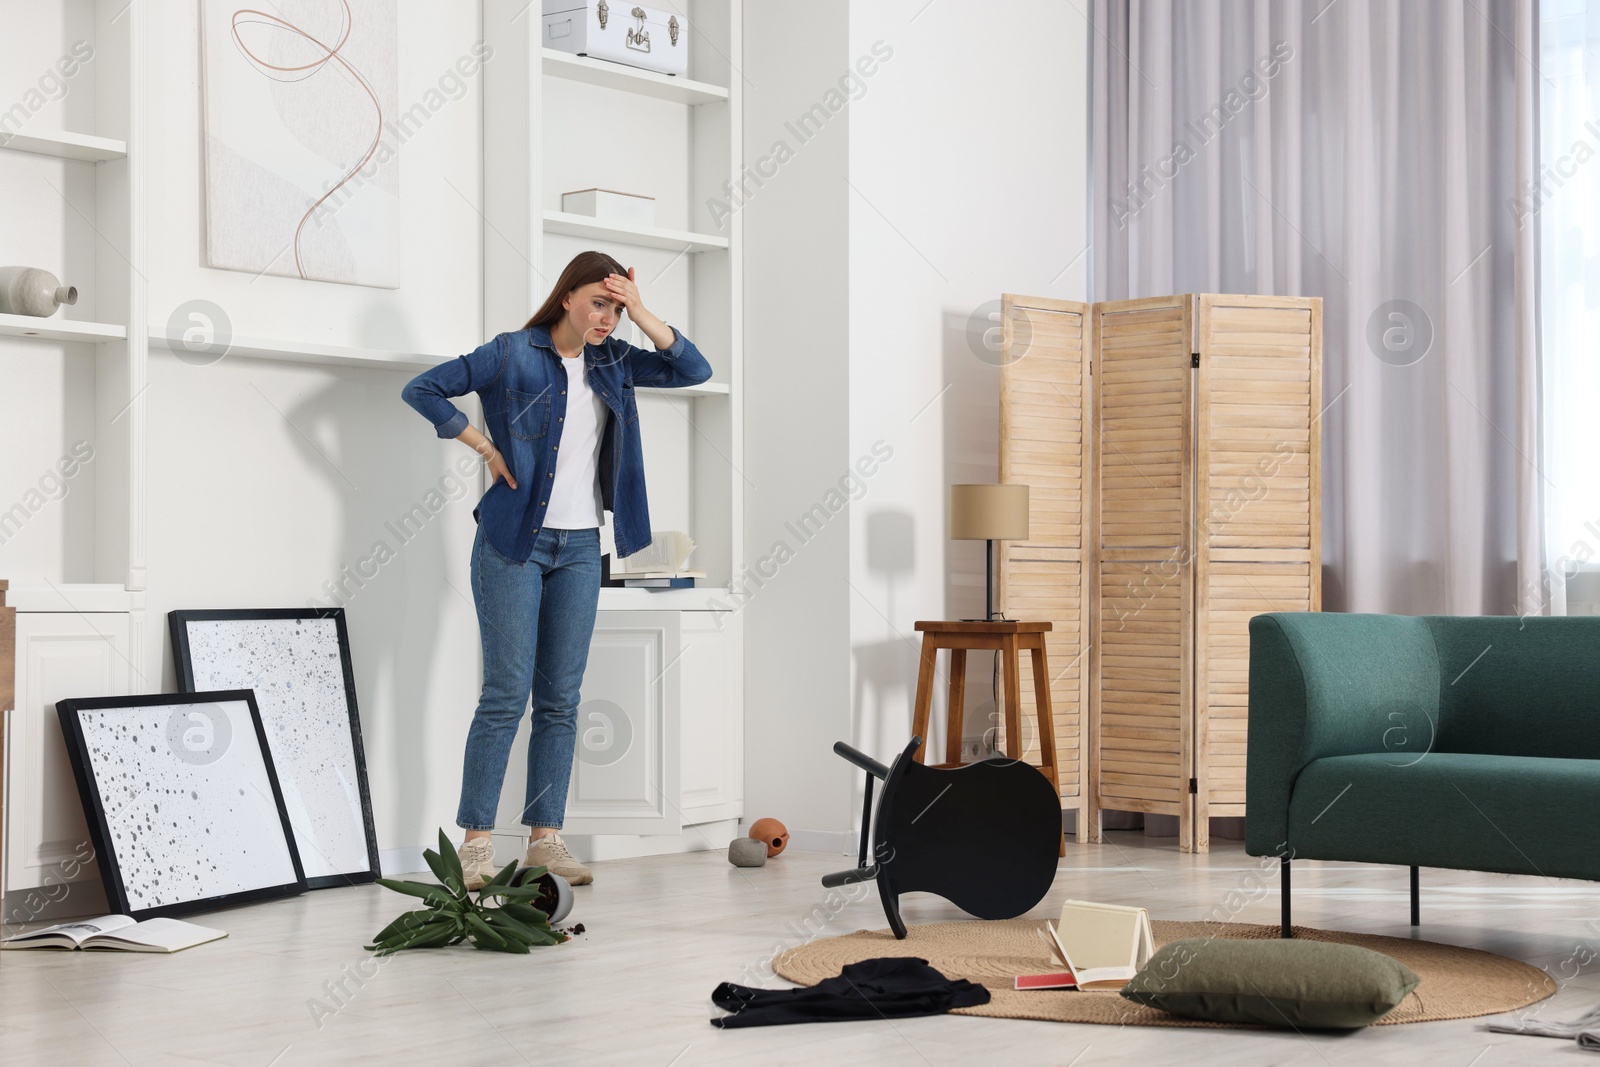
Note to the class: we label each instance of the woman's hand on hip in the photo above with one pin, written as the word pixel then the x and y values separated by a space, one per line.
pixel 498 469
pixel 473 439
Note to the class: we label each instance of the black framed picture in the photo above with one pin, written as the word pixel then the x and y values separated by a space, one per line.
pixel 184 807
pixel 297 660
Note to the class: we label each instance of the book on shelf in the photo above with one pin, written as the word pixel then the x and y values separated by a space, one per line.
pixel 662 564
pixel 119 932
pixel 664 581
pixel 1102 946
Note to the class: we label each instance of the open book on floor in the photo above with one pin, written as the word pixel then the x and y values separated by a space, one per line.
pixel 1101 945
pixel 118 932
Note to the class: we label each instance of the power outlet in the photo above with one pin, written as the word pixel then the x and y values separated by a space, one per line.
pixel 974 749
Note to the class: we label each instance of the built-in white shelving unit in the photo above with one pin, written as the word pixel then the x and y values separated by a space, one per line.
pixel 630 79
pixel 642 236
pixel 89 187
pixel 73 598
pixel 78 146
pixel 59 329
pixel 290 351
pixel 74 204
pixel 311 352
pixel 556 123
pixel 543 107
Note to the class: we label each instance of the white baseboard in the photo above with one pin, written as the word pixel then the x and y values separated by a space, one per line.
pixel 393 862
pixel 703 837
pixel 833 842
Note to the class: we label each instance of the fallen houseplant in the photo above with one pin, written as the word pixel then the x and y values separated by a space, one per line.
pixel 453 914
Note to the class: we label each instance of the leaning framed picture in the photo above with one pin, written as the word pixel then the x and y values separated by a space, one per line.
pixel 297 660
pixel 184 807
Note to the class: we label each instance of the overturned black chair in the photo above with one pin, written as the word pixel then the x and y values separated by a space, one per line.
pixel 928 816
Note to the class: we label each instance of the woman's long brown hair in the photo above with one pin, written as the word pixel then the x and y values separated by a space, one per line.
pixel 585 268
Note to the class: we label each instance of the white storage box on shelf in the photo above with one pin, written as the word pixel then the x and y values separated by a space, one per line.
pixel 608 205
pixel 636 36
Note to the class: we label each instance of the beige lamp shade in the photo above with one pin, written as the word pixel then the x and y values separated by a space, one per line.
pixel 989 512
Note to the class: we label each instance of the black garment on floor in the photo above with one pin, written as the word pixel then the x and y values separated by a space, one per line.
pixel 889 988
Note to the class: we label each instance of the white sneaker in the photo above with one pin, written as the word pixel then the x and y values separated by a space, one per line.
pixel 477 861
pixel 551 852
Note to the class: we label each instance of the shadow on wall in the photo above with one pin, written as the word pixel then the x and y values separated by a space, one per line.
pixel 886 670
pixel 971 433
pixel 392 577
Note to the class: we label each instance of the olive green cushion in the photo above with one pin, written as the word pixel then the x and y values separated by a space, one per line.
pixel 1285 983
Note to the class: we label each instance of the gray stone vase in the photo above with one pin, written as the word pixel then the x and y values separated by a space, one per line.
pixel 31 291
pixel 747 852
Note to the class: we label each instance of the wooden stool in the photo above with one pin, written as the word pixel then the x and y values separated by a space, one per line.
pixel 1008 637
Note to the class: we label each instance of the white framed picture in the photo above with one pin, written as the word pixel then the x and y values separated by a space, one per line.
pixel 297 663
pixel 182 801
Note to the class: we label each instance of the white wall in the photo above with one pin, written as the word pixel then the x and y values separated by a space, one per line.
pixel 797 681
pixel 967 177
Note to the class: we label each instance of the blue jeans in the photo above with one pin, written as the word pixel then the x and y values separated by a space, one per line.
pixel 535 620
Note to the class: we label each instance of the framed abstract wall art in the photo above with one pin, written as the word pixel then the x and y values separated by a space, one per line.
pixel 302 165
pixel 183 803
pixel 297 662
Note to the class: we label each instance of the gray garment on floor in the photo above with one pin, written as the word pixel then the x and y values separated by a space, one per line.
pixel 1586 1028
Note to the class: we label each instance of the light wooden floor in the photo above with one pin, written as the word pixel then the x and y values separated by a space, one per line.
pixel 663 932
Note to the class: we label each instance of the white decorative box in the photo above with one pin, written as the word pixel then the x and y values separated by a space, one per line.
pixel 612 206
pixel 637 36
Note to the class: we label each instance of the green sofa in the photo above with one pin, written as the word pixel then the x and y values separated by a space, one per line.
pixel 1464 742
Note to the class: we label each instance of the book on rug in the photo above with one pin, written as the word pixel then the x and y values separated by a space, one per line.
pixel 1060 980
pixel 118 932
pixel 1103 945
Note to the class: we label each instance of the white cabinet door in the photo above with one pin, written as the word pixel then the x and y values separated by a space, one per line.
pixel 59 655
pixel 713 730
pixel 625 771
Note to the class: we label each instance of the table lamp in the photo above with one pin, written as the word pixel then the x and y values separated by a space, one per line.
pixel 988 513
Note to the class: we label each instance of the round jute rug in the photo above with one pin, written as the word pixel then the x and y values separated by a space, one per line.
pixel 1457 983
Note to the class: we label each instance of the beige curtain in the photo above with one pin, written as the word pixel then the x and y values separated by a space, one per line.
pixel 1368 152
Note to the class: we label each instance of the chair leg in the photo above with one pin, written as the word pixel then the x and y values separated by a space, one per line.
pixel 1416 903
pixel 866 823
pixel 924 705
pixel 1283 893
pixel 954 723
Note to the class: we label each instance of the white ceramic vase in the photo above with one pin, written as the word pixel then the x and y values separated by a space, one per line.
pixel 31 291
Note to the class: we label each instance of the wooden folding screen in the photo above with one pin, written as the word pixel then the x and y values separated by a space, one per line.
pixel 1044 394
pixel 1201 473
pixel 1258 503
pixel 1141 663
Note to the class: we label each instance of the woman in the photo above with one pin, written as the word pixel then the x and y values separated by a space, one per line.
pixel 563 446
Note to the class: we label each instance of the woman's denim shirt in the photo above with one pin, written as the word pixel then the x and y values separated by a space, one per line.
pixel 519 378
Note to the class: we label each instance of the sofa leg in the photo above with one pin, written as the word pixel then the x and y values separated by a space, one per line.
pixel 1416 908
pixel 1283 893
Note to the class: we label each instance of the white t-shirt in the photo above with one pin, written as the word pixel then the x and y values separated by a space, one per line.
pixel 575 502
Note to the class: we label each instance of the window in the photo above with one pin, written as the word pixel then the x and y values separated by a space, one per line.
pixel 1565 204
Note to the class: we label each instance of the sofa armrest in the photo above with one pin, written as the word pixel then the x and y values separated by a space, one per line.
pixel 1330 684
